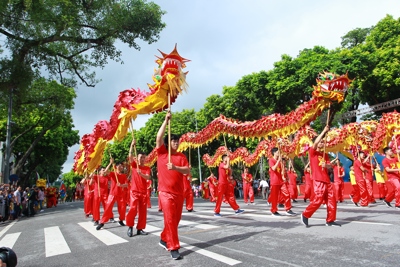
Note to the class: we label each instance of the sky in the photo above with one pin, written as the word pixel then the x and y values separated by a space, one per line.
pixel 225 40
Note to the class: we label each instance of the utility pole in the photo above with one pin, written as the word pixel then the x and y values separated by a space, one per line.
pixel 198 154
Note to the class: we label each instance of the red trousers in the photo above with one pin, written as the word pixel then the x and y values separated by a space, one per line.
pixel 189 199
pixel 138 205
pixel 121 203
pixel 395 193
pixel 277 194
pixel 324 192
pixel 148 197
pixel 88 204
pixel 370 190
pixel 96 206
pixel 212 194
pixel 248 193
pixel 355 193
pixel 172 206
pixel 225 190
pixel 339 191
pixel 309 191
pixel 362 185
pixel 294 193
pixel 206 194
pixel 382 190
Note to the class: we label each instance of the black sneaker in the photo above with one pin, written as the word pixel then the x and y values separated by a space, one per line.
pixel 276 214
pixel 388 204
pixel 112 220
pixel 305 200
pixel 281 206
pixel 239 211
pixel 175 255
pixel 190 210
pixel 335 224
pixel 141 232
pixel 290 213
pixel 163 244
pixel 129 233
pixel 304 220
pixel 294 200
pixel 99 226
pixel 96 223
pixel 121 223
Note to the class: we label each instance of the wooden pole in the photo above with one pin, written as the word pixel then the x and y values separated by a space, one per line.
pixel 169 129
pixel 134 146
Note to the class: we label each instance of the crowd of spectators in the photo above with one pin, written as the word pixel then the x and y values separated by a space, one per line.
pixel 16 201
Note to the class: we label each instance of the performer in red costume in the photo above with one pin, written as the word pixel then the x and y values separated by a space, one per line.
pixel 292 175
pixel 391 165
pixel 323 188
pixel 380 181
pixel 140 174
pixel 309 188
pixel 338 174
pixel 276 171
pixel 360 172
pixel 100 184
pixel 188 195
pixel 88 195
pixel 119 184
pixel 224 190
pixel 369 178
pixel 248 192
pixel 51 193
pixel 149 189
pixel 171 170
pixel 213 185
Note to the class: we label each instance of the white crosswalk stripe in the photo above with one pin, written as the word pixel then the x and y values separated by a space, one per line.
pixel 104 236
pixel 156 231
pixel 55 243
pixel 9 240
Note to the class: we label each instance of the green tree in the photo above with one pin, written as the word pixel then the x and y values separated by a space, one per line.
pixel 69 38
pixel 42 129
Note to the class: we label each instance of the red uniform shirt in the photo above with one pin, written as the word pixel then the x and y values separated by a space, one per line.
pixel 103 181
pixel 357 170
pixel 247 178
pixel 368 173
pixel 275 177
pixel 117 190
pixel 307 177
pixel 338 173
pixel 138 183
pixel 392 164
pixel 292 177
pixel 169 180
pixel 316 159
pixel 223 174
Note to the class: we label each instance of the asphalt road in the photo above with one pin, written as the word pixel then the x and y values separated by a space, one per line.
pixel 62 236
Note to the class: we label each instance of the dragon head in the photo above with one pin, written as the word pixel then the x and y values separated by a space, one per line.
pixel 331 86
pixel 169 74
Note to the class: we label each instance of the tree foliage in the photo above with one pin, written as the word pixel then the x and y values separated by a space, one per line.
pixel 70 38
pixel 42 130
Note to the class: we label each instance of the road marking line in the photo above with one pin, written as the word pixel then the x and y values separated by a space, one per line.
pixel 157 231
pixel 104 236
pixel 6 229
pixel 9 240
pixel 211 255
pixel 198 225
pixel 55 242
pixel 373 223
